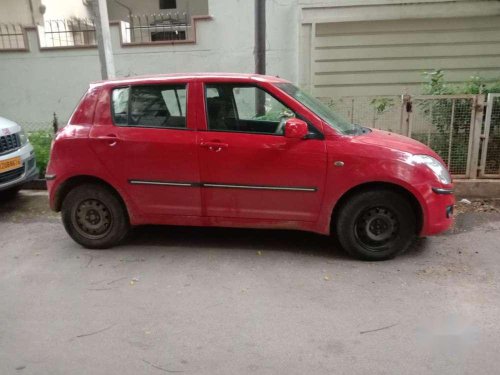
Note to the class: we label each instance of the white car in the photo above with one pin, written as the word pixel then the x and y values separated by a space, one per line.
pixel 17 158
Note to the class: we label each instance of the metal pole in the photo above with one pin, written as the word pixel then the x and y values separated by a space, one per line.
pixel 260 51
pixel 260 36
pixel 31 12
pixel 103 36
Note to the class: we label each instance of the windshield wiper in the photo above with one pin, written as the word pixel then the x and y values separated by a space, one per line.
pixel 357 130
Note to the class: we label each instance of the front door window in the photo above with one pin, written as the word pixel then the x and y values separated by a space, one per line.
pixel 247 109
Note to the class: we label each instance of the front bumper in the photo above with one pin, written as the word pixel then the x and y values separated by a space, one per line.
pixel 439 211
pixel 27 172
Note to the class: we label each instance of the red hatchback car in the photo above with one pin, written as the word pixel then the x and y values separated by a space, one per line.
pixel 239 150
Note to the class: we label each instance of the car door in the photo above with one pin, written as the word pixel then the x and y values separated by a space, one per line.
pixel 247 167
pixel 144 135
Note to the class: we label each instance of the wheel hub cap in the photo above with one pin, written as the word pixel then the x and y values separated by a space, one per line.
pixel 376 227
pixel 379 228
pixel 93 218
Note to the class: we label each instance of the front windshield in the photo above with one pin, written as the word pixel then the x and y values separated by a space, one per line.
pixel 333 119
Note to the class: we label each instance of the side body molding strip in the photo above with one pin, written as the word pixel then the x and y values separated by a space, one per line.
pixel 222 186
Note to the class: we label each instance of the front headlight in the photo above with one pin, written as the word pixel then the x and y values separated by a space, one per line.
pixel 434 165
pixel 23 138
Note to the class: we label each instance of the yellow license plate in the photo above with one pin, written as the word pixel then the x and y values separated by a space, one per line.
pixel 9 164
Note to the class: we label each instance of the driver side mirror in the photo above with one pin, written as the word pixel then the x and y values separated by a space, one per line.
pixel 295 128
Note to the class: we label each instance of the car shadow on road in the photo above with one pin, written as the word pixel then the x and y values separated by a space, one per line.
pixel 234 238
pixel 245 239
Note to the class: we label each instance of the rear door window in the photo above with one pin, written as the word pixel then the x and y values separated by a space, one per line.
pixel 152 106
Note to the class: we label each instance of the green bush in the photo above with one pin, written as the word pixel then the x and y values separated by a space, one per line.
pixel 41 141
pixel 436 85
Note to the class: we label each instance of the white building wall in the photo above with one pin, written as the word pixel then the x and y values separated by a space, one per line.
pixel 64 9
pixel 38 83
pixel 18 12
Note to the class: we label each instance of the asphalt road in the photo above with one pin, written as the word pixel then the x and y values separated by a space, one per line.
pixel 221 301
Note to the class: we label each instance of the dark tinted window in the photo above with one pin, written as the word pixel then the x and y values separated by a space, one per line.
pixel 157 106
pixel 243 108
pixel 168 4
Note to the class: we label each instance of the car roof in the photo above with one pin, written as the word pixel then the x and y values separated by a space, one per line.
pixel 209 77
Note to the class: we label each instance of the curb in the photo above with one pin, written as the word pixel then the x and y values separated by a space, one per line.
pixel 477 188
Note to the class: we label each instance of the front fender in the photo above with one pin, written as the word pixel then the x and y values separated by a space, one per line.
pixel 372 165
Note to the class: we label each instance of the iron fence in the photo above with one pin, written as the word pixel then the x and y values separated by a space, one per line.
pixel 12 37
pixel 445 123
pixel 35 126
pixel 379 112
pixel 156 28
pixel 67 33
pixel 490 150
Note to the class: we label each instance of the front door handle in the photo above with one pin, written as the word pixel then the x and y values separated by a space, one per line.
pixel 214 146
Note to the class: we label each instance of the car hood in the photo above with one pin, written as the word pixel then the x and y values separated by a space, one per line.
pixel 8 127
pixel 395 142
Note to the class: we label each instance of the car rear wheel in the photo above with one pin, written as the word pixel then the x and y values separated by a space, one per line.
pixel 376 225
pixel 94 216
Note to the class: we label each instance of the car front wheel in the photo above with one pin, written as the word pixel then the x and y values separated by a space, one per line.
pixel 9 194
pixel 94 216
pixel 376 225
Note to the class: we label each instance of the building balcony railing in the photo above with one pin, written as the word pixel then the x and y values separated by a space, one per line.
pixel 12 38
pixel 76 32
pixel 145 29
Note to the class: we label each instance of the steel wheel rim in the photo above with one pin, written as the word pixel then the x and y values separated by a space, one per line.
pixel 92 219
pixel 376 228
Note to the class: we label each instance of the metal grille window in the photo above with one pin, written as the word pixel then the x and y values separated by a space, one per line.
pixel 12 37
pixel 68 33
pixel 156 28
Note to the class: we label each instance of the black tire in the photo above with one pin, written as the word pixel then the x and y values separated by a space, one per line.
pixel 94 216
pixel 376 225
pixel 9 194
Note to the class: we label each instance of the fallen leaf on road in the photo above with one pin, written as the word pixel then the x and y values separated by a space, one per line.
pixel 259 252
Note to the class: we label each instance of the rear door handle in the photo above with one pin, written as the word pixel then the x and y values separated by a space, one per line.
pixel 110 138
pixel 214 146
